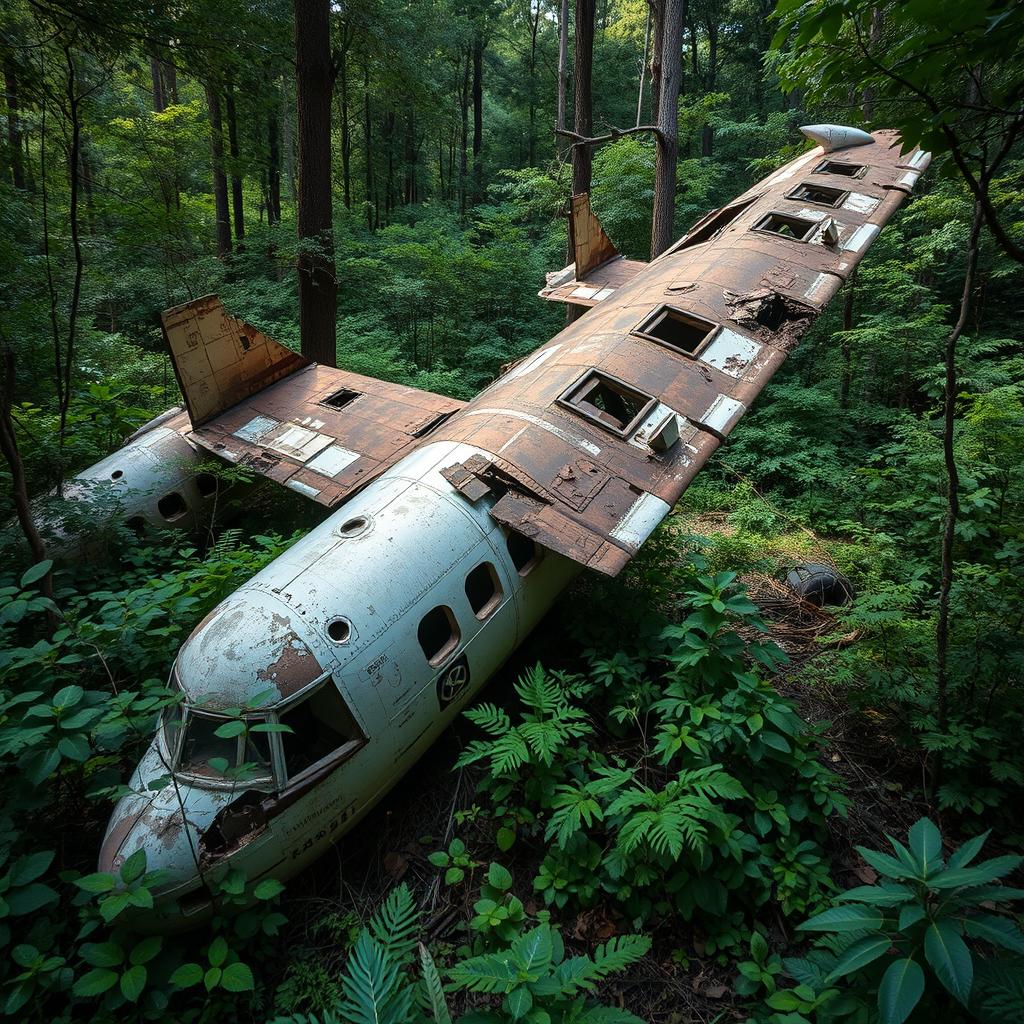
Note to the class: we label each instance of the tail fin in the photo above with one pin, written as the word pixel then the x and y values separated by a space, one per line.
pixel 590 245
pixel 219 360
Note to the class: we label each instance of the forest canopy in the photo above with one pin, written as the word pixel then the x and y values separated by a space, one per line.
pixel 691 795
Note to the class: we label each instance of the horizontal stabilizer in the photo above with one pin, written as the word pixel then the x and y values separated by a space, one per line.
pixel 220 360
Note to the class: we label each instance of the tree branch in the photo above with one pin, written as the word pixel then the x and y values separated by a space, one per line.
pixel 615 133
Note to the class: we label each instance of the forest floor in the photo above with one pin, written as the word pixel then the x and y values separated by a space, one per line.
pixel 676 983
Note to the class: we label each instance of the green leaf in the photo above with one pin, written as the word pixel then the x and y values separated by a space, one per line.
pixel 29 868
pixel 1000 931
pixel 962 857
pixel 949 958
pixel 986 871
pixel 860 954
pixel 433 988
pixel 505 839
pixel 844 919
pixel 102 954
pixel 775 741
pixel 237 977
pixel 30 898
pixel 134 867
pixel 499 877
pixel 880 896
pixel 212 978
pixel 25 955
pixel 926 845
pixel 133 983
pixel 218 951
pixel 519 1002
pixel 98 882
pixel 68 697
pixel 454 875
pixel 36 572
pixel 268 889
pixel 900 991
pixel 145 950
pixel 95 982
pixel 910 915
pixel 229 730
pixel 440 859
pixel 187 975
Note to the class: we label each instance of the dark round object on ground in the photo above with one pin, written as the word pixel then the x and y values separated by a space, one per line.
pixel 820 584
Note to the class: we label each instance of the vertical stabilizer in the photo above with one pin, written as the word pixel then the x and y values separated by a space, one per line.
pixel 590 245
pixel 219 360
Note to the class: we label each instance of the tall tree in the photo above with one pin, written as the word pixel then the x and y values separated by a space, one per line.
pixel 563 69
pixel 667 153
pixel 314 87
pixel 14 143
pixel 220 181
pixel 583 107
pixel 237 204
pixel 478 114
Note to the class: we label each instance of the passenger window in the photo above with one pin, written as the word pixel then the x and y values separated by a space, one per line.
pixel 837 167
pixel 320 725
pixel 681 331
pixel 823 195
pixel 207 484
pixel 438 634
pixel 712 223
pixel 483 590
pixel 796 228
pixel 172 506
pixel 607 401
pixel 525 553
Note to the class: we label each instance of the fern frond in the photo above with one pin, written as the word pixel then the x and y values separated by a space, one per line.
pixel 491 972
pixel 373 990
pixel 490 718
pixel 619 952
pixel 508 753
pixel 431 989
pixel 396 924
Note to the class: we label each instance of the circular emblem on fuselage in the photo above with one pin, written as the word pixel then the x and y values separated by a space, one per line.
pixel 451 684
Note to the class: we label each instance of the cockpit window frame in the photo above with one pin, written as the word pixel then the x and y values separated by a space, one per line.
pixel 267 781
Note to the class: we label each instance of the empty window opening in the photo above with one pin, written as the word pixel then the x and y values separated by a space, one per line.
pixel 712 223
pixel 320 724
pixel 117 474
pixel 339 630
pixel 339 399
pixel 783 224
pixel 525 553
pixel 246 343
pixel 682 331
pixel 207 484
pixel 607 401
pixel 837 167
pixel 438 635
pixel 172 506
pixel 353 527
pixel 823 195
pixel 483 590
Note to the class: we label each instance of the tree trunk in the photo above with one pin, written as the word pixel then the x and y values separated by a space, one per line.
pixel 170 76
pixel 657 9
pixel 463 166
pixel 643 69
pixel 532 141
pixel 346 136
pixel 314 86
pixel 237 204
pixel 563 71
pixel 159 100
pixel 707 135
pixel 13 124
pixel 667 153
pixel 220 181
pixel 371 199
pixel 583 120
pixel 952 476
pixel 273 170
pixel 478 116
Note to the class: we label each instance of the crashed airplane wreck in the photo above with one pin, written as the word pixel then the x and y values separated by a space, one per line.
pixel 454 526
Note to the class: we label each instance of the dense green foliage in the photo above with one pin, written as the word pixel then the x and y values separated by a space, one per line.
pixel 664 785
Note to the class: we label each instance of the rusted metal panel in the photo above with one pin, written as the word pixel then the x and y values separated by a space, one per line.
pixel 590 245
pixel 220 360
pixel 600 284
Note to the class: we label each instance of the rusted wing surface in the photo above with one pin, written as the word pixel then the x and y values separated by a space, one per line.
pixel 220 360
pixel 323 432
pixel 596 435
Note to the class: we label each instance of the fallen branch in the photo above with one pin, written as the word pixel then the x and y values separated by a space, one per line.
pixel 615 133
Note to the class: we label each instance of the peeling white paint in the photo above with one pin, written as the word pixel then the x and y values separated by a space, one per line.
pixel 331 461
pixel 298 485
pixel 860 203
pixel 730 352
pixel 299 443
pixel 583 292
pixel 722 414
pixel 861 238
pixel 257 428
pixel 639 522
pixel 516 414
pixel 532 363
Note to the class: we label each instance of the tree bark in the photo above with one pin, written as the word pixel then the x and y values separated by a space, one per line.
pixel 657 9
pixel 346 135
pixel 952 475
pixel 273 169
pixel 13 124
pixel 220 181
pixel 583 119
pixel 563 70
pixel 159 100
pixel 314 86
pixel 463 165
pixel 532 141
pixel 371 198
pixel 237 204
pixel 667 153
pixel 478 116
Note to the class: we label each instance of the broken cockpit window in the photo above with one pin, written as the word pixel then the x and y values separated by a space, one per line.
pixel 213 750
pixel 608 401
pixel 319 725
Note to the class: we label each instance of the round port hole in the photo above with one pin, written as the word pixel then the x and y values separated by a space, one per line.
pixel 353 527
pixel 339 630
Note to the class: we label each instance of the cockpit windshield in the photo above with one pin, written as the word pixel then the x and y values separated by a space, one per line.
pixel 218 749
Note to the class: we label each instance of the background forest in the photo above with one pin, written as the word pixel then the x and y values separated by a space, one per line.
pixel 672 806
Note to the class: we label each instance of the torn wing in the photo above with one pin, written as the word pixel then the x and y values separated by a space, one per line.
pixel 323 432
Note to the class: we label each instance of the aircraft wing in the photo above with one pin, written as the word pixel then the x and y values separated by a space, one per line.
pixel 594 437
pixel 323 432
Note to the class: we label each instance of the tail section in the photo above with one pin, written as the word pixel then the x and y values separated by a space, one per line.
pixel 219 360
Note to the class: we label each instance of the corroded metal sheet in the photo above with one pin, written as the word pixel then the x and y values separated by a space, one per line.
pixel 220 360
pixel 325 433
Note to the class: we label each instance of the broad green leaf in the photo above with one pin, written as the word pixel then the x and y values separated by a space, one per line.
pixel 67 697
pixel 844 919
pixel 102 954
pixel 134 866
pixel 900 991
pixel 268 889
pixel 28 868
pixel 218 951
pixel 30 898
pixel 909 916
pixel 519 1002
pixel 36 572
pixel 506 838
pixel 187 975
pixel 962 857
pixel 926 845
pixel 881 896
pixel 95 982
pixel 499 877
pixel 860 954
pixel 986 871
pixel 237 977
pixel 145 950
pixel 133 983
pixel 229 730
pixel 949 958
pixel 884 864
pixel 1000 931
